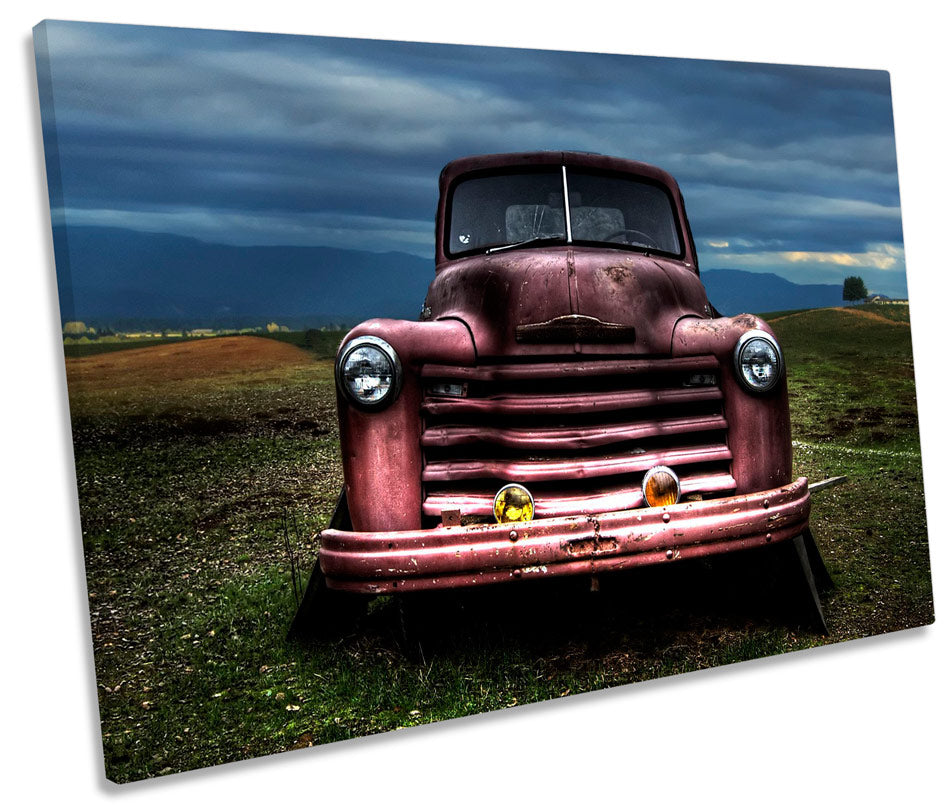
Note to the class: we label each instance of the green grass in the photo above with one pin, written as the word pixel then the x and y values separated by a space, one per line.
pixel 196 498
pixel 851 380
pixel 894 312
pixel 322 343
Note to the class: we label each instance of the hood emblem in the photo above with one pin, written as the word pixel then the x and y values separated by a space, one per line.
pixel 575 327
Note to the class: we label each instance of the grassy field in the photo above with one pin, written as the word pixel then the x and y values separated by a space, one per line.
pixel 204 468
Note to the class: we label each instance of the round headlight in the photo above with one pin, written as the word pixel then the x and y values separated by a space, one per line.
pixel 758 361
pixel 368 371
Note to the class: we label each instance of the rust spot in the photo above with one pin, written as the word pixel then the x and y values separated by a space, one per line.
pixel 590 546
pixel 596 523
pixel 617 273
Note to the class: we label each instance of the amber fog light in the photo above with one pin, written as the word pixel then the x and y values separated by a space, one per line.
pixel 514 503
pixel 661 487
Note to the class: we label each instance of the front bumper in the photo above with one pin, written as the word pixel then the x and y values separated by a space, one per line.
pixel 446 557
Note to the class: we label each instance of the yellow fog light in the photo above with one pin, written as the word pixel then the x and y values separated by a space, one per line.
pixel 661 487
pixel 513 503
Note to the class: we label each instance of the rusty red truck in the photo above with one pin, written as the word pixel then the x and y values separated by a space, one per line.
pixel 568 403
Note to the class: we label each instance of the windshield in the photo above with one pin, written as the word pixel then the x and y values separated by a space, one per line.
pixel 493 212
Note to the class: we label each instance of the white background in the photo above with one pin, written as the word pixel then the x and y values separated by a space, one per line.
pixel 861 724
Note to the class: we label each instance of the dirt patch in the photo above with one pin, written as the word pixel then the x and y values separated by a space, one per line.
pixel 850 311
pixel 864 314
pixel 184 361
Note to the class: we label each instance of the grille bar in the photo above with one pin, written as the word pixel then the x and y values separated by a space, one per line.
pixel 574 403
pixel 571 504
pixel 572 467
pixel 568 438
pixel 571 368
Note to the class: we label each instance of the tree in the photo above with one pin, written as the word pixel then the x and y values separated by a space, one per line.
pixel 75 328
pixel 854 289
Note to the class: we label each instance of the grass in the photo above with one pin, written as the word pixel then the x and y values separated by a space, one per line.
pixel 190 492
pixel 322 343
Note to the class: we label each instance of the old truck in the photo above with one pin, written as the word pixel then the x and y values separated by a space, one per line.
pixel 568 403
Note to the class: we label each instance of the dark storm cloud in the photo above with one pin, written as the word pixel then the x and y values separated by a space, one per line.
pixel 264 138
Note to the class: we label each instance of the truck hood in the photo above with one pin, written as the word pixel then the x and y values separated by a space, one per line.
pixel 564 300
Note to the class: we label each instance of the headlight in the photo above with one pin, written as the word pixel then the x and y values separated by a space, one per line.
pixel 368 371
pixel 758 361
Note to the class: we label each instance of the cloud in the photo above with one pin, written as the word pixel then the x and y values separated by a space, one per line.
pixel 242 137
pixel 264 228
pixel 883 257
pixel 881 266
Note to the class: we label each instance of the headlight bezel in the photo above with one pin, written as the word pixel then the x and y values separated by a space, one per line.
pixel 387 351
pixel 744 340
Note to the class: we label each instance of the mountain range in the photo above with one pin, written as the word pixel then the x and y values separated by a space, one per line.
pixel 732 292
pixel 121 276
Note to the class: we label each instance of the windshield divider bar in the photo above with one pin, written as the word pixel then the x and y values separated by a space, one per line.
pixel 567 205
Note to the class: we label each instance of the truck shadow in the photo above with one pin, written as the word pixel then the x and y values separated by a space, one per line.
pixel 648 610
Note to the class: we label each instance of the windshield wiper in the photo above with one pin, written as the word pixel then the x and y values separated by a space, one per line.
pixel 529 241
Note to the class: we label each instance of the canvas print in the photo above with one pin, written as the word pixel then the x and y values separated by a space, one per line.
pixel 413 381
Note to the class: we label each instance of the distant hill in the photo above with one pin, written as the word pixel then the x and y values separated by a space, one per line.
pixel 122 278
pixel 123 275
pixel 732 292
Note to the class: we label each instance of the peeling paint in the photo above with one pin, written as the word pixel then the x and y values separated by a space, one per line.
pixel 617 273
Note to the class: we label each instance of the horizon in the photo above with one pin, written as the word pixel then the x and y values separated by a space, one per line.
pixel 248 139
pixel 167 289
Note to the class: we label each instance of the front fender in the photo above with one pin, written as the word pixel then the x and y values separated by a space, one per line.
pixel 382 460
pixel 759 426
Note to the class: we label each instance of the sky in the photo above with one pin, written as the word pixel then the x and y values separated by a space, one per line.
pixel 258 139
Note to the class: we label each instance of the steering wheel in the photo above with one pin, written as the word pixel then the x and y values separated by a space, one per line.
pixel 650 243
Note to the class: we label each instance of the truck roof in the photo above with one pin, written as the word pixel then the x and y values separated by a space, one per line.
pixel 476 163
